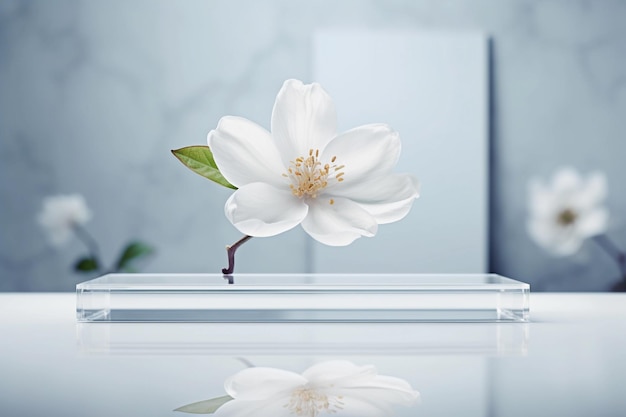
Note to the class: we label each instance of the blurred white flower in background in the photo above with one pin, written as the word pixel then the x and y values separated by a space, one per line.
pixel 332 387
pixel 566 211
pixel 569 210
pixel 61 214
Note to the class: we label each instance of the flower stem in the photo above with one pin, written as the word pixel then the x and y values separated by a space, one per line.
pixel 230 250
pixel 614 252
pixel 89 241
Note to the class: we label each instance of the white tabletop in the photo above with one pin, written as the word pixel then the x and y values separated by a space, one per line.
pixel 570 360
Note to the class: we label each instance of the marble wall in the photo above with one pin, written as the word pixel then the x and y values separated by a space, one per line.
pixel 93 94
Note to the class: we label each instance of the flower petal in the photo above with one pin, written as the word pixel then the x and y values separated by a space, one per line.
pixel 303 118
pixel 273 407
pixel 566 180
pixel 361 381
pixel 388 199
pixel 383 389
pixel 259 383
pixel 338 224
pixel 558 240
pixel 324 372
pixel 593 223
pixel 367 151
pixel 244 152
pixel 260 209
pixel 592 192
pixel 542 201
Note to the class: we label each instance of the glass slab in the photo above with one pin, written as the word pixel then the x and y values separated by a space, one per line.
pixel 266 298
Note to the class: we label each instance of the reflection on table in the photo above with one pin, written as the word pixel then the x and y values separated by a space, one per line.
pixel 568 361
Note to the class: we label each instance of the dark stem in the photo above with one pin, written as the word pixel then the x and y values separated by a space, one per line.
pixel 230 250
pixel 613 251
pixel 89 241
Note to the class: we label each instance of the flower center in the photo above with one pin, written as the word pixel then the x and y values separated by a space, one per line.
pixel 308 402
pixel 566 217
pixel 308 176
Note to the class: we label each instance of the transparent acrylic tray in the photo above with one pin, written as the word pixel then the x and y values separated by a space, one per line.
pixel 302 298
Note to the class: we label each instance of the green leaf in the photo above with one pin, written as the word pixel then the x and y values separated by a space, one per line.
pixel 205 407
pixel 87 264
pixel 133 251
pixel 200 160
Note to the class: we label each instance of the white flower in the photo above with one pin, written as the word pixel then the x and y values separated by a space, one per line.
pixel 332 387
pixel 339 187
pixel 567 211
pixel 61 214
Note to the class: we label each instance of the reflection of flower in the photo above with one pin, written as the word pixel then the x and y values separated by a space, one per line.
pixel 339 187
pixel 61 214
pixel 332 387
pixel 567 211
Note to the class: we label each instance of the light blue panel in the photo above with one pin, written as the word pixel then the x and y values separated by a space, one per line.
pixel 432 88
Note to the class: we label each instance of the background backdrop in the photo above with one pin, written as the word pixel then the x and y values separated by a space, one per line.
pixel 94 94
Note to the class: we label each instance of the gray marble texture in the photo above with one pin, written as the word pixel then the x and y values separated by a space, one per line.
pixel 93 94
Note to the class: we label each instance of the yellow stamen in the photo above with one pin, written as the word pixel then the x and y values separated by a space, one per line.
pixel 332 201
pixel 308 175
pixel 567 217
pixel 308 402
